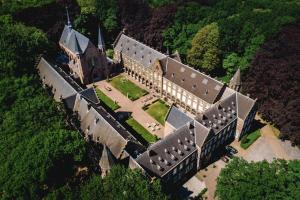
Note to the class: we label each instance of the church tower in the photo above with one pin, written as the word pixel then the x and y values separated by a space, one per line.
pixel 235 82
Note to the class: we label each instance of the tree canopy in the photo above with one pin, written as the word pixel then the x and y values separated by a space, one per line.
pixel 259 180
pixel 204 53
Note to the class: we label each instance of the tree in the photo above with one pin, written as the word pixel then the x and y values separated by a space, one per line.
pixel 261 180
pixel 231 63
pixel 130 184
pixel 204 53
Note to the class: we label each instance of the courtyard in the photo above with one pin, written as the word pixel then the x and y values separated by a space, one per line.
pixel 127 87
pixel 145 124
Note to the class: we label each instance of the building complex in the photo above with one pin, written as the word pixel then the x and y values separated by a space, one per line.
pixel 205 114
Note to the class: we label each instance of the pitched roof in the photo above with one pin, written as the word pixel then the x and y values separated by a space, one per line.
pixel 91 95
pixel 137 51
pixel 53 77
pixel 73 40
pixel 177 118
pixel 220 114
pixel 167 153
pixel 192 80
pixel 245 104
pixel 201 133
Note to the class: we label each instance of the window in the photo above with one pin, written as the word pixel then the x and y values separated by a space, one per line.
pixel 181 166
pixel 175 171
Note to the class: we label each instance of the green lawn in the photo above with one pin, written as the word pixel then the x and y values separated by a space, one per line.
pixel 247 140
pixel 106 100
pixel 140 131
pixel 158 110
pixel 127 87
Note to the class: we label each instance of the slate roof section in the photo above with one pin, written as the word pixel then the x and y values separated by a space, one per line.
pixel 73 40
pixel 137 51
pixel 167 153
pixel 192 80
pixel 245 105
pixel 177 118
pixel 201 133
pixel 219 115
pixel 91 95
pixel 61 88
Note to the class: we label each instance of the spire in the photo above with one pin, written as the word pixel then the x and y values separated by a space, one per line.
pixel 168 51
pixel 77 48
pixel 101 44
pixel 68 18
pixel 235 81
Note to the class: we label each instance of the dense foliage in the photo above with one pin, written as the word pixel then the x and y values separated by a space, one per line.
pixel 120 184
pixel 243 26
pixel 261 180
pixel 274 78
pixel 205 52
pixel 38 152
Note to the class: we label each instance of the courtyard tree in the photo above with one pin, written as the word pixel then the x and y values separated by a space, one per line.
pixel 204 53
pixel 259 180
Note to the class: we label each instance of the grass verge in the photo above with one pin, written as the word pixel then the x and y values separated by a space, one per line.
pixel 249 139
pixel 106 100
pixel 141 132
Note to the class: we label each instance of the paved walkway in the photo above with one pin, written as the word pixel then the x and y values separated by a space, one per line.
pixel 132 107
pixel 267 147
pixel 191 188
pixel 209 177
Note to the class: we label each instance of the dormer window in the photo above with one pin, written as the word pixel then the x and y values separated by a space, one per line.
pixel 173 75
pixel 194 87
pixel 127 49
pixel 206 92
pixel 182 80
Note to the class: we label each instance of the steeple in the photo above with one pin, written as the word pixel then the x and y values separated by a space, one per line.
pixel 235 82
pixel 101 44
pixel 168 51
pixel 68 18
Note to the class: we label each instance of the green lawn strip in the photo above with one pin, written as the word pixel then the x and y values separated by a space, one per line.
pixel 247 140
pixel 141 131
pixel 127 87
pixel 106 100
pixel 158 110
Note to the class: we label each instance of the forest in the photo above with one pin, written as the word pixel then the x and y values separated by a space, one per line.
pixel 42 157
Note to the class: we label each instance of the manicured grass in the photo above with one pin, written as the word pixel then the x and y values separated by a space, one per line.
pixel 127 87
pixel 247 140
pixel 141 131
pixel 158 110
pixel 106 100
